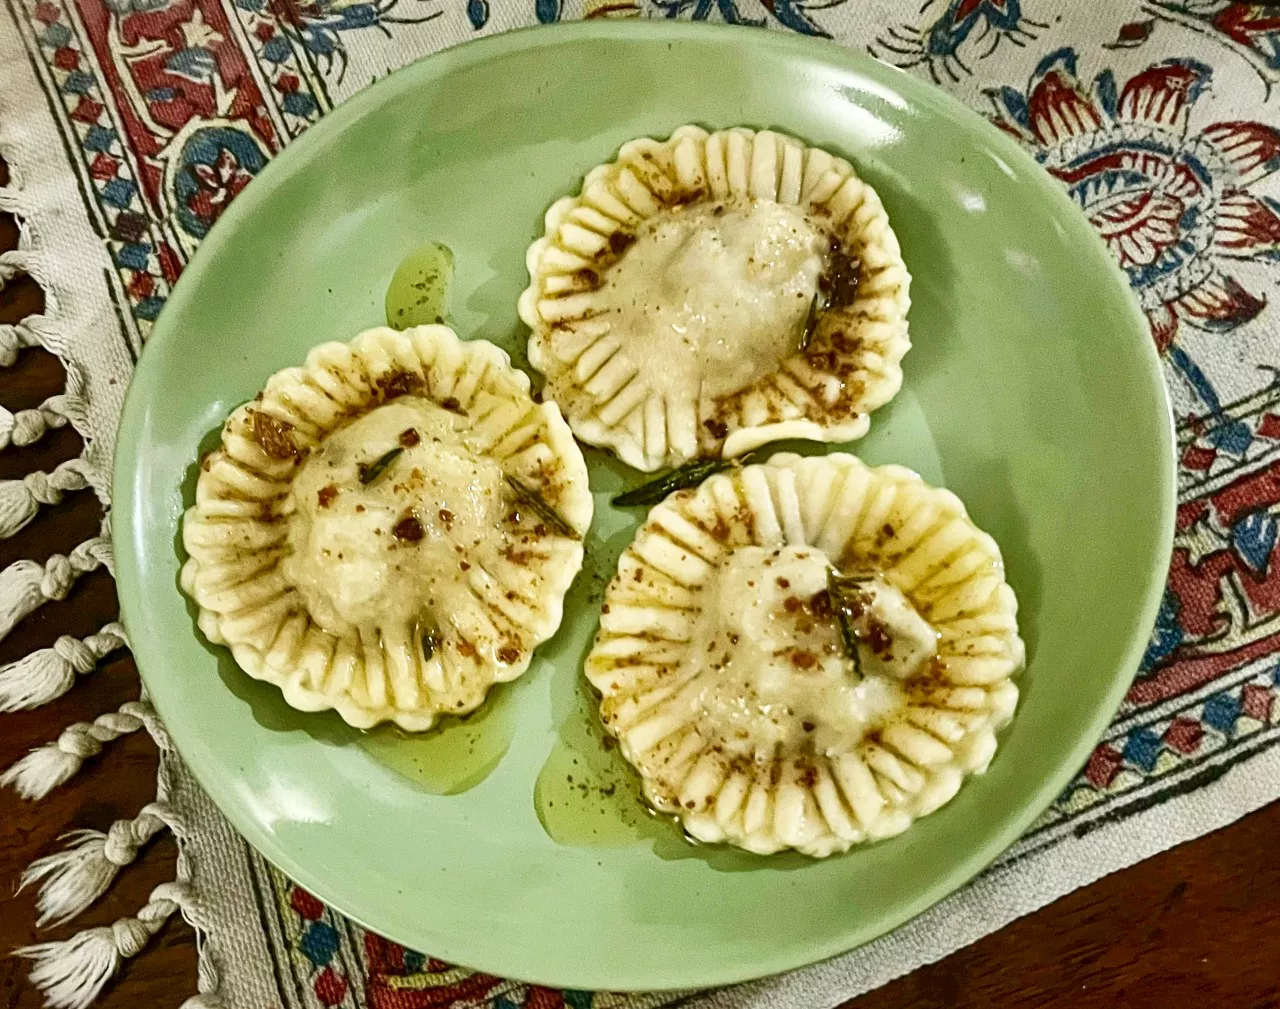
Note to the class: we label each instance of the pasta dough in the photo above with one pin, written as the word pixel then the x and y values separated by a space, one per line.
pixel 712 292
pixel 806 653
pixel 390 529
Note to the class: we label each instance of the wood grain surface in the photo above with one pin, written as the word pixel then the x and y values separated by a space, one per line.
pixel 1197 927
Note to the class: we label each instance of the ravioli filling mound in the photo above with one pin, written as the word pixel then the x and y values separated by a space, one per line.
pixel 386 517
pixel 713 296
pixel 774 668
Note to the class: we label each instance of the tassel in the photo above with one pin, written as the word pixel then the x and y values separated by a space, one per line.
pixel 207 980
pixel 20 500
pixel 28 426
pixel 33 331
pixel 25 586
pixel 46 767
pixel 14 263
pixel 43 675
pixel 76 877
pixel 72 973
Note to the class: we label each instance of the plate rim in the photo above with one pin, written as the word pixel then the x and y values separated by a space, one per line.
pixel 148 653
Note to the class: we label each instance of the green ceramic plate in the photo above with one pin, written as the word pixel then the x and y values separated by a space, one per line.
pixel 1033 391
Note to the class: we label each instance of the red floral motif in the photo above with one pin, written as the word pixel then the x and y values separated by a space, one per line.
pixel 1173 205
pixel 1224 585
pixel 166 66
pixel 219 184
pixel 1244 21
pixel 305 904
pixel 437 985
pixel 330 987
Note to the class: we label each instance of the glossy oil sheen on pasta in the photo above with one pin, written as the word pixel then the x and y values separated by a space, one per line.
pixel 725 676
pixel 711 292
pixel 364 535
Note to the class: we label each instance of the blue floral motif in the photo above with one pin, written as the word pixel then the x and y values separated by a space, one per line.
pixel 318 25
pixel 1174 205
pixel 937 44
pixel 792 14
pixel 217 162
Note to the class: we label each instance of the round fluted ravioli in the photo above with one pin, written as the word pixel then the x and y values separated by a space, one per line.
pixel 806 653
pixel 390 529
pixel 712 292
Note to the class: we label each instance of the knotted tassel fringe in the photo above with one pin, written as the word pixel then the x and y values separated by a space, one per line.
pixel 43 675
pixel 46 767
pixel 72 973
pixel 26 427
pixel 20 500
pixel 207 983
pixel 25 586
pixel 14 263
pixel 33 331
pixel 77 876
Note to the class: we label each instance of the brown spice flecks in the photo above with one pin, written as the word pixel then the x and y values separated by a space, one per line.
pixel 408 529
pixel 720 532
pixel 446 517
pixel 508 654
pixel 273 435
pixel 400 383
pixel 620 242
pixel 718 428
pixel 791 604
pixel 359 507
pixel 840 281
pixel 802 659
pixel 463 566
pixel 450 403
pixel 783 583
pixel 807 726
pixel 410 437
pixel 878 638
pixel 466 648
pixel 326 494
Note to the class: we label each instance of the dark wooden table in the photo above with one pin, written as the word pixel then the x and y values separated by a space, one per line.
pixel 1198 926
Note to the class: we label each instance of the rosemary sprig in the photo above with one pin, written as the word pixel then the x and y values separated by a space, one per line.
pixel 689 475
pixel 838 587
pixel 527 496
pixel 811 321
pixel 375 469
